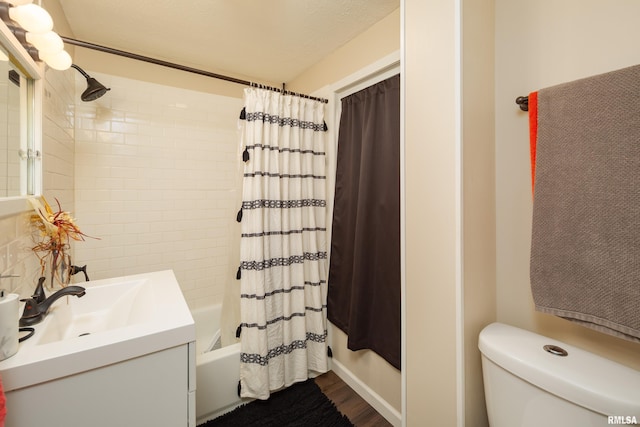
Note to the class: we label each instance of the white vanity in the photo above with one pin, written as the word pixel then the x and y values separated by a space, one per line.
pixel 121 355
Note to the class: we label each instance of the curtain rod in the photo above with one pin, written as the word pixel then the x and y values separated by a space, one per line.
pixel 168 64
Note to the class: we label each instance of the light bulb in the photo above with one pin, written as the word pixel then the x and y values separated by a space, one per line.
pixel 32 18
pixel 58 61
pixel 49 42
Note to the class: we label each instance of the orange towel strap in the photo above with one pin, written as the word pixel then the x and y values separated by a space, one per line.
pixel 533 134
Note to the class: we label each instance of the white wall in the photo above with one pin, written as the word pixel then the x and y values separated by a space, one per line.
pixel 432 201
pixel 539 44
pixel 478 190
pixel 364 367
pixel 155 180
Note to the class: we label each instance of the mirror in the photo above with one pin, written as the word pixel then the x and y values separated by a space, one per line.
pixel 20 141
pixel 11 145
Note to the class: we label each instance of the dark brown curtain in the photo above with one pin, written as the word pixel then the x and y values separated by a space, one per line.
pixel 364 274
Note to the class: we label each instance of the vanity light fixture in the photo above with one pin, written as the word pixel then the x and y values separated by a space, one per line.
pixel 19 2
pixel 58 61
pixel 32 18
pixel 48 42
pixel 33 27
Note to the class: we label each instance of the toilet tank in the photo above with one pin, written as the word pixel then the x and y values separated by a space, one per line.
pixel 527 385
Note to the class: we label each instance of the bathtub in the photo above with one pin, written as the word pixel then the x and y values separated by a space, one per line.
pixel 217 369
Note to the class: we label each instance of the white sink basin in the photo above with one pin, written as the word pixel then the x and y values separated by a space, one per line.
pixel 117 319
pixel 102 308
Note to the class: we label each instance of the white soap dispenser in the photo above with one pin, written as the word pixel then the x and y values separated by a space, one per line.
pixel 9 317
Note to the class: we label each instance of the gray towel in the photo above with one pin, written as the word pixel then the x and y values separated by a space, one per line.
pixel 585 252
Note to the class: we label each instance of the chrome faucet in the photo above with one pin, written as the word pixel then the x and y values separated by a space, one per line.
pixel 36 307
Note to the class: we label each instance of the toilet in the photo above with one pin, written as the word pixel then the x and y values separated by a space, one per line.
pixel 532 381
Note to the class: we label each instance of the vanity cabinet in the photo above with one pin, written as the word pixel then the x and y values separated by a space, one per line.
pixel 156 389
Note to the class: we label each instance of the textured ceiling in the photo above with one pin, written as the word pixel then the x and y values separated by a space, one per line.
pixel 265 40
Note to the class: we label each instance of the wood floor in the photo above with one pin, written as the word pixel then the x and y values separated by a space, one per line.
pixel 359 412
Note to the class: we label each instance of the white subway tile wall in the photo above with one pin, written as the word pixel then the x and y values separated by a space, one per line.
pixel 16 257
pixel 157 180
pixel 58 139
pixel 153 172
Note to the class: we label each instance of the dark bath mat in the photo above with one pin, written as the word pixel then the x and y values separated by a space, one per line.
pixel 300 405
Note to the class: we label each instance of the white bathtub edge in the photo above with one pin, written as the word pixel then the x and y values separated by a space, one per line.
pixel 218 353
pixel 372 398
pixel 217 372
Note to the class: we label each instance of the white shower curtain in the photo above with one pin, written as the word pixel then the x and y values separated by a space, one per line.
pixel 283 245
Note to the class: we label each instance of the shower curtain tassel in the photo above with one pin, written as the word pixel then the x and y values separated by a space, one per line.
pixel 245 155
pixel 239 216
pixel 238 331
pixel 325 128
pixel 239 274
pixel 329 352
pixel 243 113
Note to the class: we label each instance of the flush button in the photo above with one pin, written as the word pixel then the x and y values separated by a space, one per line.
pixel 555 350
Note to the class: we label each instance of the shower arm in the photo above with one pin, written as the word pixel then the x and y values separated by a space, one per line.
pixel 81 71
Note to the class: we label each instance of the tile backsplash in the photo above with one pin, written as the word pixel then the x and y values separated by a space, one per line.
pixel 16 257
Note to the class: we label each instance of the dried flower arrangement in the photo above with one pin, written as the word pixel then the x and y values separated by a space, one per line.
pixel 56 230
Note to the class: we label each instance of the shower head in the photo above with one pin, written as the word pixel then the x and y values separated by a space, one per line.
pixel 94 90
